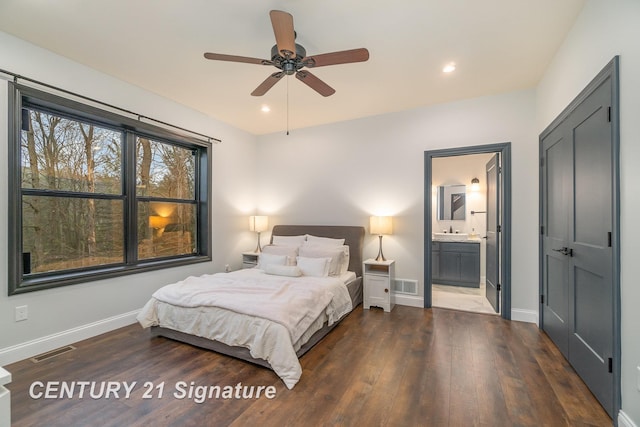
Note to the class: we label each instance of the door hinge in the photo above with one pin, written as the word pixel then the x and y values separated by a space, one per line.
pixel 499 228
pixel 609 239
pixel 541 299
pixel 499 287
pixel 541 161
pixel 610 365
pixel 609 115
pixel 542 230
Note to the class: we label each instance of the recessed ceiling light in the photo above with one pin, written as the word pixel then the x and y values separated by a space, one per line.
pixel 449 68
pixel 265 109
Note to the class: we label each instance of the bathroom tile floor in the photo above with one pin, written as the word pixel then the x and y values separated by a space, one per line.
pixel 461 298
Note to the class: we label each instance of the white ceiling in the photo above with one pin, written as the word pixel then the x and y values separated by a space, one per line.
pixel 497 45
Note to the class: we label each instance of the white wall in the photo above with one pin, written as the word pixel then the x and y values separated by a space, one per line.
pixel 345 172
pixel 603 30
pixel 63 315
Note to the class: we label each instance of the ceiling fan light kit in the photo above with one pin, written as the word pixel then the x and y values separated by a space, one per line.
pixel 290 58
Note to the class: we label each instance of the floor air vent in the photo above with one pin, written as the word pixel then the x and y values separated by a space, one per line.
pixel 405 286
pixel 53 353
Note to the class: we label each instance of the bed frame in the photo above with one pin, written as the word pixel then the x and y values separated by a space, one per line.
pixel 354 238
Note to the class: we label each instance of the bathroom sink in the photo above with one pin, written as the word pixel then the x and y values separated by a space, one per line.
pixel 450 237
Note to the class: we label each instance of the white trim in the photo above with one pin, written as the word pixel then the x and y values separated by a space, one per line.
pixel 40 345
pixel 410 300
pixel 529 316
pixel 624 420
pixel 519 315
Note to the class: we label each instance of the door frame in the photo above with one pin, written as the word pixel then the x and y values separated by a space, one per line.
pixel 611 70
pixel 504 149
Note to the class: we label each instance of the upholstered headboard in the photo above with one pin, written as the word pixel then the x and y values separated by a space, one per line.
pixel 353 237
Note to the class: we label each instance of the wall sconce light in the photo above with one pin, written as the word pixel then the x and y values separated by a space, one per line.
pixel 258 223
pixel 380 225
pixel 475 184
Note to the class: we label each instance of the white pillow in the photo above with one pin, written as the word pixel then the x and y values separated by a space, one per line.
pixel 336 256
pixel 345 260
pixel 317 267
pixel 265 259
pixel 328 241
pixel 291 252
pixel 283 270
pixel 288 240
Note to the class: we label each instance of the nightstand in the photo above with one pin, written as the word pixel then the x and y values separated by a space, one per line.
pixel 378 276
pixel 249 259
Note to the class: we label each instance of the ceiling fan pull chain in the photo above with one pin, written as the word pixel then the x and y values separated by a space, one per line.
pixel 287 105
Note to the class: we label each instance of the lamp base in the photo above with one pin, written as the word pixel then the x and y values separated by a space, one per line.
pixel 380 256
pixel 258 249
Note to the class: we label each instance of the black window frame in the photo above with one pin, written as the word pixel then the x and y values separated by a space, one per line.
pixel 20 97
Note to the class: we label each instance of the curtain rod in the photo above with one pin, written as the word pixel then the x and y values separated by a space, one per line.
pixel 139 116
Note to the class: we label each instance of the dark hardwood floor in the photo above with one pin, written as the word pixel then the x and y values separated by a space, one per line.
pixel 409 367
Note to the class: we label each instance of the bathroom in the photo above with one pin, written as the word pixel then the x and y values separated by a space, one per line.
pixel 459 224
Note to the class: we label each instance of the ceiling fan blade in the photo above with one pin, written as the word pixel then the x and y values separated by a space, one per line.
pixel 267 84
pixel 234 58
pixel 315 83
pixel 334 58
pixel 282 23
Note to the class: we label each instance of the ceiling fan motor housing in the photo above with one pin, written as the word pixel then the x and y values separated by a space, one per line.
pixel 288 65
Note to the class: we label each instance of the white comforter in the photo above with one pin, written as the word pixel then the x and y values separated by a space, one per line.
pixel 266 314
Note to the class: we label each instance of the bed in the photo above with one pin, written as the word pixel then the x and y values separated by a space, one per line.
pixel 178 311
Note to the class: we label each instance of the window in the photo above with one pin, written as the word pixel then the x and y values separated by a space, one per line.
pixel 95 195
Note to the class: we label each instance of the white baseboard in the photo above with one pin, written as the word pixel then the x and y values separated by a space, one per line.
pixel 410 300
pixel 519 315
pixel 624 420
pixel 529 316
pixel 41 345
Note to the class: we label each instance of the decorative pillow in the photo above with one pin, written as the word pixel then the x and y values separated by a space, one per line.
pixel 317 267
pixel 336 256
pixel 288 240
pixel 328 241
pixel 266 259
pixel 345 260
pixel 291 252
pixel 283 270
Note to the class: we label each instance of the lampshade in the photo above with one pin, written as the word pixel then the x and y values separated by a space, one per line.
pixel 157 221
pixel 258 223
pixel 381 225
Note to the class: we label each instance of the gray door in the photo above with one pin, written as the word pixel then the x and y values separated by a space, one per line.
pixel 577 186
pixel 556 184
pixel 492 252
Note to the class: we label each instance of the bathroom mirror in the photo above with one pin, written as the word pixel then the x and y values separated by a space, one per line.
pixel 451 202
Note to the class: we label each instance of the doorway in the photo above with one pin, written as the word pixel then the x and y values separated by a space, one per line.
pixel 502 235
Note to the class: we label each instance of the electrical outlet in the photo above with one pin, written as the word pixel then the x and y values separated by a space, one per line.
pixel 22 313
pixel 227 268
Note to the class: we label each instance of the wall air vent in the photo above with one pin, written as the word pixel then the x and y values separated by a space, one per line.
pixel 53 353
pixel 405 286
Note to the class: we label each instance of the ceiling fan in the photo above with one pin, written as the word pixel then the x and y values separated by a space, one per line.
pixel 290 58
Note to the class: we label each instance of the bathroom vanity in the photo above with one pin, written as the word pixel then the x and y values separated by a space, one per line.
pixel 456 263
